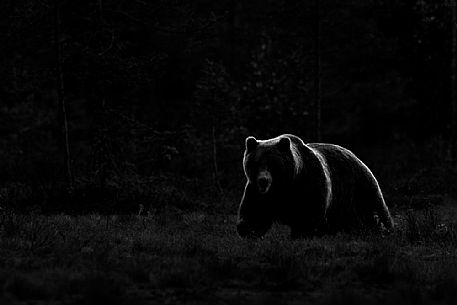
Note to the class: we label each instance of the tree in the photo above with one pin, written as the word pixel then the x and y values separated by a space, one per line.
pixel 63 122
pixel 453 124
pixel 317 76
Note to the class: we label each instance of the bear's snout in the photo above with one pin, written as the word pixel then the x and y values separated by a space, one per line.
pixel 264 181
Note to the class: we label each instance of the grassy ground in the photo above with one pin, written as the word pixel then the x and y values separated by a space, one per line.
pixel 194 258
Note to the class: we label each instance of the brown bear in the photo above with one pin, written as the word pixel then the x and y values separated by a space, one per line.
pixel 314 188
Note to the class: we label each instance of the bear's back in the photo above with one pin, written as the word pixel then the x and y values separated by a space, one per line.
pixel 339 159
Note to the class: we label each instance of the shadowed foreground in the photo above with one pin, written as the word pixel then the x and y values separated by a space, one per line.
pixel 177 258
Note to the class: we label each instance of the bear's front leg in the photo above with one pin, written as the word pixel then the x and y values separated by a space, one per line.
pixel 299 234
pixel 302 231
pixel 254 217
pixel 308 223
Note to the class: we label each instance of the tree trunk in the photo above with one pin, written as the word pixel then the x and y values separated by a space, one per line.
pixel 63 123
pixel 215 167
pixel 453 124
pixel 232 33
pixel 316 111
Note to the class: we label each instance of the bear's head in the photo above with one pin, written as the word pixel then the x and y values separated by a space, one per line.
pixel 270 167
pixel 268 164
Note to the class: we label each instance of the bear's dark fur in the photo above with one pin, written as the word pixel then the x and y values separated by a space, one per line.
pixel 314 188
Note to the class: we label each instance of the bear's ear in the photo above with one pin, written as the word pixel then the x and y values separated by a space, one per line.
pixel 284 144
pixel 251 144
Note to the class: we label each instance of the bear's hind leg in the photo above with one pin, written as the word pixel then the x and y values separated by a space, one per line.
pixel 372 209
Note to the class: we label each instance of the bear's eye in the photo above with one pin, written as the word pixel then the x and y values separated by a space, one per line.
pixel 275 166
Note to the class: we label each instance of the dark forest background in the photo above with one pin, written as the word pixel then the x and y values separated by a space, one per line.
pixel 157 97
